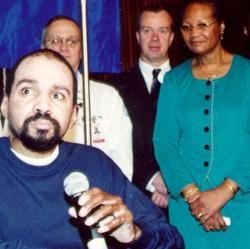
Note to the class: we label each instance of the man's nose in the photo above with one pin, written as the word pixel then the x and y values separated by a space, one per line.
pixel 43 104
pixel 63 45
pixel 155 35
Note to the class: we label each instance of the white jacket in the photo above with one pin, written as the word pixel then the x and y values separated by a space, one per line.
pixel 110 124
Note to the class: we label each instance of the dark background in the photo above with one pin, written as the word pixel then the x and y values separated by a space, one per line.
pixel 233 38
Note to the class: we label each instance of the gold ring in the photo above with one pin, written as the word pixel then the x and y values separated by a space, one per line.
pixel 200 215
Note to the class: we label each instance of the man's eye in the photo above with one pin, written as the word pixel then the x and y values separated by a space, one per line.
pixel 71 42
pixel 145 30
pixel 55 41
pixel 58 96
pixel 26 91
pixel 164 31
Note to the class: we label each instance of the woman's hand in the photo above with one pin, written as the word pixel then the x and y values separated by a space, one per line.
pixel 207 205
pixel 214 223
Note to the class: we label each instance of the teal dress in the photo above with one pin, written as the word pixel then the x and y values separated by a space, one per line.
pixel 202 136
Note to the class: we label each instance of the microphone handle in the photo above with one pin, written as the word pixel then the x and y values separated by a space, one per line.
pixel 97 241
pixel 91 237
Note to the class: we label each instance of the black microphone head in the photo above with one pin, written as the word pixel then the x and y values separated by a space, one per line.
pixel 75 183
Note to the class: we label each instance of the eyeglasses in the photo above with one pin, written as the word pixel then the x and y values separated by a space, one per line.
pixel 70 42
pixel 201 26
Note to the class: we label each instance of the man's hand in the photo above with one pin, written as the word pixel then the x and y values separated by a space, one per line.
pixel 159 199
pixel 159 184
pixel 109 213
pixel 160 195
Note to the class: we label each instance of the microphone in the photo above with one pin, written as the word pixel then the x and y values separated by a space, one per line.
pixel 75 184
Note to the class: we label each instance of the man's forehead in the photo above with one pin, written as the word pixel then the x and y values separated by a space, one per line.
pixel 63 26
pixel 161 15
pixel 36 60
pixel 43 65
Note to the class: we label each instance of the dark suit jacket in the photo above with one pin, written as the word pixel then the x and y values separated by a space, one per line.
pixel 141 109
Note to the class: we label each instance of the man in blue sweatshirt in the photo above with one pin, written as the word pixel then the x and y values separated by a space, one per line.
pixel 40 105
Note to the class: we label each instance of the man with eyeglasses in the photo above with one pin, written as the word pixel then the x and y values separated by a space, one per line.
pixel 111 127
pixel 154 35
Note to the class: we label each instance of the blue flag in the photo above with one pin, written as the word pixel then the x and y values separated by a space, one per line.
pixel 21 23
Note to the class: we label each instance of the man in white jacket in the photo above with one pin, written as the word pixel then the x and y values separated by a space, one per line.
pixel 111 128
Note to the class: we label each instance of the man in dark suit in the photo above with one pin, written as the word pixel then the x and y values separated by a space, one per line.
pixel 154 35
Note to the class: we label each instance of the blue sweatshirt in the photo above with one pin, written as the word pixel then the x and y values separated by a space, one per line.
pixel 34 211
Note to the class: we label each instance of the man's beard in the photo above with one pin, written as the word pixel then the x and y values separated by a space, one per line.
pixel 39 142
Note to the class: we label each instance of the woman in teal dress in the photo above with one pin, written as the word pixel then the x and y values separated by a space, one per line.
pixel 202 135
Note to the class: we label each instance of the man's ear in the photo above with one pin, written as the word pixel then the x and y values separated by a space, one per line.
pixel 4 107
pixel 172 35
pixel 245 31
pixel 137 35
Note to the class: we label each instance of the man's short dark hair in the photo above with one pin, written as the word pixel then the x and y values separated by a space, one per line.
pixel 57 18
pixel 41 52
pixel 156 8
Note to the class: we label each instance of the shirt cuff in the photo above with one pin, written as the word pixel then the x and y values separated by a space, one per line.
pixel 150 187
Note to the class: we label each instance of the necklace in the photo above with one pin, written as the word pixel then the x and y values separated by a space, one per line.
pixel 209 74
pixel 217 67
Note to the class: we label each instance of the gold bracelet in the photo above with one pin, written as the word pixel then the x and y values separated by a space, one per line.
pixel 190 193
pixel 230 187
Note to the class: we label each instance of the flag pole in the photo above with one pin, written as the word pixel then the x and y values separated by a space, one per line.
pixel 85 73
pixel 98 240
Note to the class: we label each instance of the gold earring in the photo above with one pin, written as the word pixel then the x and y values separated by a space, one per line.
pixel 221 35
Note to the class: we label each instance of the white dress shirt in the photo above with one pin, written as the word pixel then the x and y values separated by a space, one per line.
pixel 146 70
pixel 111 128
